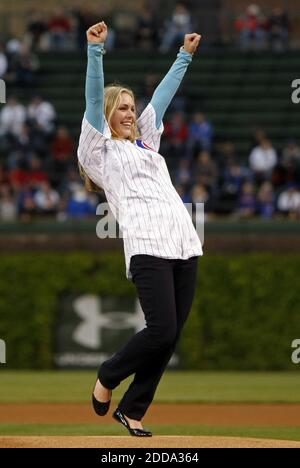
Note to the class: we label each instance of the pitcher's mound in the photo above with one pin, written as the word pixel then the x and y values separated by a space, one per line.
pixel 135 442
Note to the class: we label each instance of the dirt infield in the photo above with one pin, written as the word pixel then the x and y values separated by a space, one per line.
pixel 233 415
pixel 134 442
pixel 188 414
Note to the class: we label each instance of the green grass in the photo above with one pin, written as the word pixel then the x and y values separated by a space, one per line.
pixel 284 433
pixel 185 387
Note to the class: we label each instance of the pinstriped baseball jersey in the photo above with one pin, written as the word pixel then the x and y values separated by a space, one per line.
pixel 139 191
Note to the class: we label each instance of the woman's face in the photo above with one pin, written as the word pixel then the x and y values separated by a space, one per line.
pixel 124 116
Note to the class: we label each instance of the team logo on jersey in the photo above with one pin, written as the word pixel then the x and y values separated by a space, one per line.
pixel 143 145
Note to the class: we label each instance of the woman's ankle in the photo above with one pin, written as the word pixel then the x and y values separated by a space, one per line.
pixel 102 393
pixel 133 423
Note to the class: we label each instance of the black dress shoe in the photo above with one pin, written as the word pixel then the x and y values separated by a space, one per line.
pixel 119 416
pixel 100 408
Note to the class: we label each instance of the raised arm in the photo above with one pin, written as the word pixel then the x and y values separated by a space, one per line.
pixel 166 90
pixel 94 84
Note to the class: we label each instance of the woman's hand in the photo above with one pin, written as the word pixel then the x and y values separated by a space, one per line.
pixel 97 33
pixel 191 42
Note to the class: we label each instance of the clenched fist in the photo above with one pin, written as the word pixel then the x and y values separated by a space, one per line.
pixel 191 42
pixel 97 33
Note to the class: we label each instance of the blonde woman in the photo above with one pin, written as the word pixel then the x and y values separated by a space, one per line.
pixel 119 153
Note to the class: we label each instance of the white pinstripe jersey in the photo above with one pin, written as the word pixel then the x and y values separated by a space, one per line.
pixel 139 191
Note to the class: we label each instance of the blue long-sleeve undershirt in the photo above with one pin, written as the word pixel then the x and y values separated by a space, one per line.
pixel 94 86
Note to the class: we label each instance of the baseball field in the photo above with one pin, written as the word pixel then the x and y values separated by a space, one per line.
pixel 191 409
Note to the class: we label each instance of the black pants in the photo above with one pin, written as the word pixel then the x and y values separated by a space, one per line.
pixel 166 289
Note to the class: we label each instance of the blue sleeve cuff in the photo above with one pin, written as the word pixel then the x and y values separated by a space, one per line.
pixel 185 55
pixel 95 49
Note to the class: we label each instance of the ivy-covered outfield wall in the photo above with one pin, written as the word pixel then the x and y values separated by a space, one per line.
pixel 245 315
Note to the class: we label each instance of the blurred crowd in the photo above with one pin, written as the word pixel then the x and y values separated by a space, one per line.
pixel 65 29
pixel 258 31
pixel 39 175
pixel 38 164
pixel 204 169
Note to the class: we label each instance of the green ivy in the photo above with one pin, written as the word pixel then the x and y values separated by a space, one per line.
pixel 245 314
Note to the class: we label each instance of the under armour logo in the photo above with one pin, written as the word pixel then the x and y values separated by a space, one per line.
pixel 89 309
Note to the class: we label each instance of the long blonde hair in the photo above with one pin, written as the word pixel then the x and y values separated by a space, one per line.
pixel 112 98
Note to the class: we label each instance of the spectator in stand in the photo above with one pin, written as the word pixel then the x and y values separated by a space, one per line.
pixel 59 27
pixel 247 201
pixel 81 204
pixel 23 67
pixel 266 201
pixel 125 29
pixel 252 29
pixel 27 173
pixel 183 175
pixel 84 18
pixel 12 118
pixel 175 137
pixel 200 135
pixel 258 136
pixel 8 206
pixel 180 23
pixel 42 115
pixel 18 177
pixel 262 160
pixel 28 142
pixel 183 193
pixel 31 140
pixel 147 29
pixel 290 161
pixel 4 175
pixel 24 141
pixel 3 62
pixel 233 178
pixel 36 174
pixel 62 155
pixel 225 154
pixel 278 29
pixel 15 158
pixel 62 148
pixel 289 201
pixel 46 199
pixel 207 172
pixel 36 30
pixel 199 194
pixel 26 204
pixel 13 46
pixel 70 183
